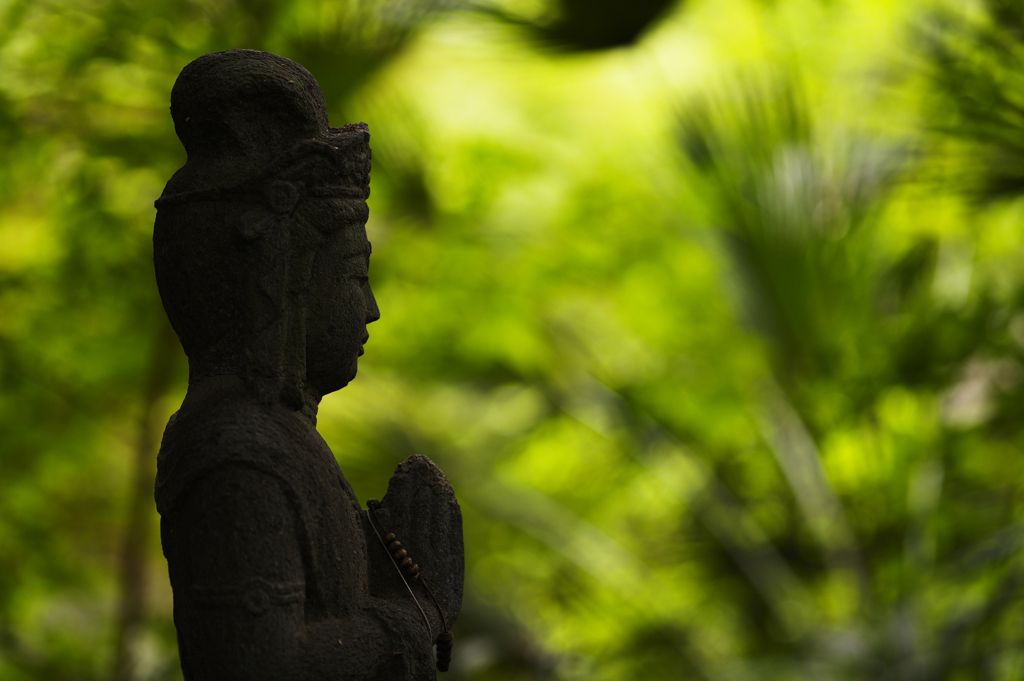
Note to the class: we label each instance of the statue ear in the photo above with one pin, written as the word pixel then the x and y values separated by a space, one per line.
pixel 275 349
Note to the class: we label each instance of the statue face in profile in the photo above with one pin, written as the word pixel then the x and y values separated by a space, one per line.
pixel 340 304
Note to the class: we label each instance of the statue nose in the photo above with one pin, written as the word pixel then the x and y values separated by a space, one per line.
pixel 372 311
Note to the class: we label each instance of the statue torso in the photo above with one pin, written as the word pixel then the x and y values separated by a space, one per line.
pixel 238 439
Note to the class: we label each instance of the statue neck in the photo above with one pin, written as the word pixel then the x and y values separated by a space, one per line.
pixel 218 388
pixel 310 406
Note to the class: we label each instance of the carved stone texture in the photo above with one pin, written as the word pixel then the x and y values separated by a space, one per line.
pixel 262 261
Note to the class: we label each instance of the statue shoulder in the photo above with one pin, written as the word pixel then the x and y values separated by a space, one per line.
pixel 241 434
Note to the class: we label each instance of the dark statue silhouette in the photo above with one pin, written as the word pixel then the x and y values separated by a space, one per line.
pixel 261 259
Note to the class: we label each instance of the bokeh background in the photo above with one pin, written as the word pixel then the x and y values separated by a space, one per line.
pixel 712 311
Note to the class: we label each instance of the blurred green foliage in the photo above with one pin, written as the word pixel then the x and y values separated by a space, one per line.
pixel 715 322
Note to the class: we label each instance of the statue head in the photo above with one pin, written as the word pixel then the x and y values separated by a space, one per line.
pixel 260 245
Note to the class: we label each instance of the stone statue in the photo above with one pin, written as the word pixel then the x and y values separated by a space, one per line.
pixel 261 259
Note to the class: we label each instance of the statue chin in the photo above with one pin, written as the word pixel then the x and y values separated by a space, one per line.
pixel 328 380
